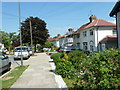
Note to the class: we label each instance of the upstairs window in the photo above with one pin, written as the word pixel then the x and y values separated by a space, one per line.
pixel 85 33
pixel 91 32
pixel 78 35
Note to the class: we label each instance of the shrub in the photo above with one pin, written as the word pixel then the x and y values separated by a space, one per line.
pixel 101 71
pixel 65 69
pixel 77 57
pixel 52 49
pixel 56 57
pixel 65 57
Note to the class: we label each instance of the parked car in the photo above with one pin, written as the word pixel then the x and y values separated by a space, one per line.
pixel 31 52
pixel 68 49
pixel 5 62
pixel 25 52
pixel 3 50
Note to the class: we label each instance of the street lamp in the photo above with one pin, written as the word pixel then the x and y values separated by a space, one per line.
pixel 20 31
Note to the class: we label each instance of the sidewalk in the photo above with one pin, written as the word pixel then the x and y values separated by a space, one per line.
pixel 38 74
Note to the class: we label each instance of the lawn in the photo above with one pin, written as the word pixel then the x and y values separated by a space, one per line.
pixel 9 79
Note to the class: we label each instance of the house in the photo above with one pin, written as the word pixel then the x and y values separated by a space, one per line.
pixel 108 42
pixel 116 13
pixel 55 40
pixel 88 36
pixel 62 41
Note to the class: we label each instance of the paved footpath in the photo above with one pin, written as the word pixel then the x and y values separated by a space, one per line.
pixel 38 74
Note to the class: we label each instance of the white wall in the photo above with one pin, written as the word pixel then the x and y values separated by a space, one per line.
pixel 55 43
pixel 101 33
pixel 87 38
pixel 118 28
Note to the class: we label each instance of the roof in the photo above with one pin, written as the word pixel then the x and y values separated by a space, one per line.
pixel 55 39
pixel 97 22
pixel 109 38
pixel 115 9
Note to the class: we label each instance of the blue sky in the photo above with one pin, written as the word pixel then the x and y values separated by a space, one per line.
pixel 59 16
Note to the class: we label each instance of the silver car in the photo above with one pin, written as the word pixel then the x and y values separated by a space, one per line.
pixel 5 62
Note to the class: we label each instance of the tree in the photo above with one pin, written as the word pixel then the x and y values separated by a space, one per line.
pixel 48 44
pixel 8 38
pixel 39 31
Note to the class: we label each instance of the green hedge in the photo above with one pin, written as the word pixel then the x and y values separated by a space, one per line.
pixel 99 71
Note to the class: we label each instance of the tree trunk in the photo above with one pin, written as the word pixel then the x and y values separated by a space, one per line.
pixel 35 46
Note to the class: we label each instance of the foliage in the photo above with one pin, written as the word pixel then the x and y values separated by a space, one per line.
pixel 48 44
pixel 77 57
pixel 39 31
pixel 8 38
pixel 99 71
pixel 65 57
pixel 56 57
pixel 39 47
pixel 65 69
pixel 63 66
pixel 52 49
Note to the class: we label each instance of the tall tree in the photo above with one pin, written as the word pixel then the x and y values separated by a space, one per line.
pixel 39 31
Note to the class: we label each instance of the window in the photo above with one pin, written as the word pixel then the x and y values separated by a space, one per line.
pixel 85 46
pixel 78 35
pixel 78 44
pixel 85 33
pixel 114 31
pixel 91 32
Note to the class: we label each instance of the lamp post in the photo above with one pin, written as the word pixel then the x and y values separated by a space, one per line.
pixel 31 33
pixel 20 32
pixel 31 36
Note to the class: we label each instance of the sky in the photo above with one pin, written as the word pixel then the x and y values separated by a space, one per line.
pixel 59 16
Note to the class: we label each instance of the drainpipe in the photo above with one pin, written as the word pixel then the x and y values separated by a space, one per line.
pixel 97 39
pixel 117 31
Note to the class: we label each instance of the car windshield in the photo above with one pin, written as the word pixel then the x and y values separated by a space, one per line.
pixel 19 49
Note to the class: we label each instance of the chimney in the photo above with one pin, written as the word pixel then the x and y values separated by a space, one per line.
pixel 58 35
pixel 70 29
pixel 92 18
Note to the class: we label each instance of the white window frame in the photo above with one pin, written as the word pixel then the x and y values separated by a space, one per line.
pixel 91 32
pixel 85 33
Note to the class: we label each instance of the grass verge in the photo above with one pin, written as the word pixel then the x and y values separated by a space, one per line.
pixel 34 55
pixel 9 79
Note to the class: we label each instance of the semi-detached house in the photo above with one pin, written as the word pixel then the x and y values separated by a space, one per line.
pixel 62 41
pixel 89 35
